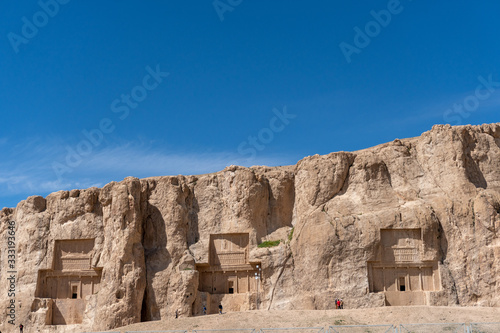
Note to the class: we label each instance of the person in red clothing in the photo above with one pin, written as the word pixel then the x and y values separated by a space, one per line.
pixel 21 328
pixel 338 303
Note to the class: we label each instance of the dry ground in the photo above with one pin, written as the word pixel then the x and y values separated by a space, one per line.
pixel 323 318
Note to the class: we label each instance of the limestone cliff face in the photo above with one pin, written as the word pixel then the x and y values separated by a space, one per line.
pixel 413 221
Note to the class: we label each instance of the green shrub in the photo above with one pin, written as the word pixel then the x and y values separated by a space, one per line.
pixel 290 235
pixel 269 243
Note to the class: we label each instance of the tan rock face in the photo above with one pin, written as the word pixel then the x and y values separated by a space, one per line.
pixel 414 221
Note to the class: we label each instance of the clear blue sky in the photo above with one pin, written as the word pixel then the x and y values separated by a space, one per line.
pixel 249 82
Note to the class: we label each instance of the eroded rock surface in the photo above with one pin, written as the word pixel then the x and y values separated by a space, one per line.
pixel 413 221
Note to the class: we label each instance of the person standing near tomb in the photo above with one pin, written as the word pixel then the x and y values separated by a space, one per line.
pixel 336 304
pixel 204 310
pixel 176 313
pixel 220 308
pixel 341 303
pixel 21 327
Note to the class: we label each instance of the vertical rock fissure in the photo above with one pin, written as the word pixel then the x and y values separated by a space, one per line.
pixel 278 278
pixel 145 215
pixel 144 308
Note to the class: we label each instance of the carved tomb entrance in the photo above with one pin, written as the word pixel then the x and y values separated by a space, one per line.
pixel 228 270
pixel 401 273
pixel 69 281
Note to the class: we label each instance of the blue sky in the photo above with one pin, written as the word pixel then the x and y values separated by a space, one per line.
pixel 92 91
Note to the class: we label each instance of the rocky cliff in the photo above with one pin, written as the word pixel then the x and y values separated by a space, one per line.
pixel 413 221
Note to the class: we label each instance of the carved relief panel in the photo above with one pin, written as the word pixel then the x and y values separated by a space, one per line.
pixel 229 270
pixel 70 280
pixel 401 268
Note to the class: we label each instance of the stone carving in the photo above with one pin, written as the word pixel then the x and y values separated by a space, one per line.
pixel 228 270
pixel 152 236
pixel 401 273
pixel 69 281
pixel 228 250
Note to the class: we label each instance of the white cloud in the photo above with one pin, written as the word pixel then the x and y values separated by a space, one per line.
pixel 138 161
pixel 29 170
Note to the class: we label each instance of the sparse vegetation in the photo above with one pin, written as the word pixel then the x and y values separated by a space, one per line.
pixel 290 235
pixel 269 243
pixel 339 322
